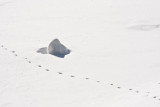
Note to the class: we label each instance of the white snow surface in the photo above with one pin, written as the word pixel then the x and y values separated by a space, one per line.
pixel 115 58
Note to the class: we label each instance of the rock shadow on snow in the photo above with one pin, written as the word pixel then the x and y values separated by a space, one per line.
pixel 42 50
pixel 55 48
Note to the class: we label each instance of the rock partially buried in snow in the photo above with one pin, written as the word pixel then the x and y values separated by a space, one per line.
pixel 57 49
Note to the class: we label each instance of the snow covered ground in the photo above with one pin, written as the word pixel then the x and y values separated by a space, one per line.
pixel 115 58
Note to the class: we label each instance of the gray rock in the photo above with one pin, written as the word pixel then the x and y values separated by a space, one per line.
pixel 57 49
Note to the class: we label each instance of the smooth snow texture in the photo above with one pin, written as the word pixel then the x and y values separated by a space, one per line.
pixel 115 60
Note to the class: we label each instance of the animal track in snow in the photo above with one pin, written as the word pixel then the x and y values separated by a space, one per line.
pixel 119 87
pixel 39 66
pixel 13 51
pixel 47 69
pixel 60 73
pixel 137 91
pixel 72 76
pixel 155 97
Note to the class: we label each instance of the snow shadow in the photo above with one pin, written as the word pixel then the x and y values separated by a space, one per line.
pixel 3 3
pixel 145 27
pixel 42 50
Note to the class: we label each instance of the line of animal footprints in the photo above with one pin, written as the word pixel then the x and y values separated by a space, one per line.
pixel 72 76
pixel 2 46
